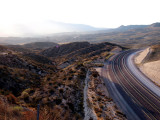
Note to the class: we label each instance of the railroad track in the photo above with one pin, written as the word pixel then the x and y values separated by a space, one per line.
pixel 140 102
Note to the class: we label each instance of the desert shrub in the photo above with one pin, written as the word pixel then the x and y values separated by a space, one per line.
pixel 79 64
pixel 70 78
pixel 55 86
pixel 59 84
pixel 108 56
pixel 58 101
pixel 17 108
pixel 4 92
pixel 25 96
pixel 27 90
pixel 95 74
pixel 9 112
pixel 81 75
pixel 83 69
pixel 61 90
pixel 99 98
pixel 99 114
pixel 101 105
pixel 48 79
pixel 12 99
pixel 71 71
pixel 71 106
pixel 31 91
pixel 51 91
pixel 44 101
pixel 99 65
pixel 50 84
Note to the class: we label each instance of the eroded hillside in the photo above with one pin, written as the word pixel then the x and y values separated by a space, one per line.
pixel 55 79
pixel 149 63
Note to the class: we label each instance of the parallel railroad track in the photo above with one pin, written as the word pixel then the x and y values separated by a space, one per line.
pixel 141 100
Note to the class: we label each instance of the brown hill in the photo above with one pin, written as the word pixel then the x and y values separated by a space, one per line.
pixel 3 48
pixel 39 45
pixel 18 48
pixel 29 79
pixel 19 71
pixel 64 49
pixel 38 58
pixel 155 25
pixel 78 49
pixel 94 49
pixel 132 38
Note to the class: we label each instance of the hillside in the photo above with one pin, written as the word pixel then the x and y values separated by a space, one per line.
pixel 155 25
pixel 129 27
pixel 39 45
pixel 149 63
pixel 30 47
pixel 135 37
pixel 55 82
pixel 77 49
pixel 4 49
pixel 18 71
pixel 69 53
pixel 18 48
pixel 64 49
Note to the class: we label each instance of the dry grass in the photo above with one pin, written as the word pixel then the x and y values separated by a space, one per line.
pixel 14 112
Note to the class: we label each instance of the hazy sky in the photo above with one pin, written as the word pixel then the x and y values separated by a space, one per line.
pixel 97 13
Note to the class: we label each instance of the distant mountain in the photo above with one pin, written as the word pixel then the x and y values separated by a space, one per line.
pixel 131 35
pixel 68 27
pixel 129 27
pixel 155 24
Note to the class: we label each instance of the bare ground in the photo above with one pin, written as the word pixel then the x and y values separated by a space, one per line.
pixel 150 69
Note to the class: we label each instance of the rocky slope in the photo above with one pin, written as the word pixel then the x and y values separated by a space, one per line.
pixel 64 49
pixel 97 103
pixel 28 79
pixel 39 45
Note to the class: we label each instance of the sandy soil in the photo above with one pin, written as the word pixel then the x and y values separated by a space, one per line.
pixel 150 69
pixel 141 56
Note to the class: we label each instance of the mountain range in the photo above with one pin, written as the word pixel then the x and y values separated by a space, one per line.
pixel 131 35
